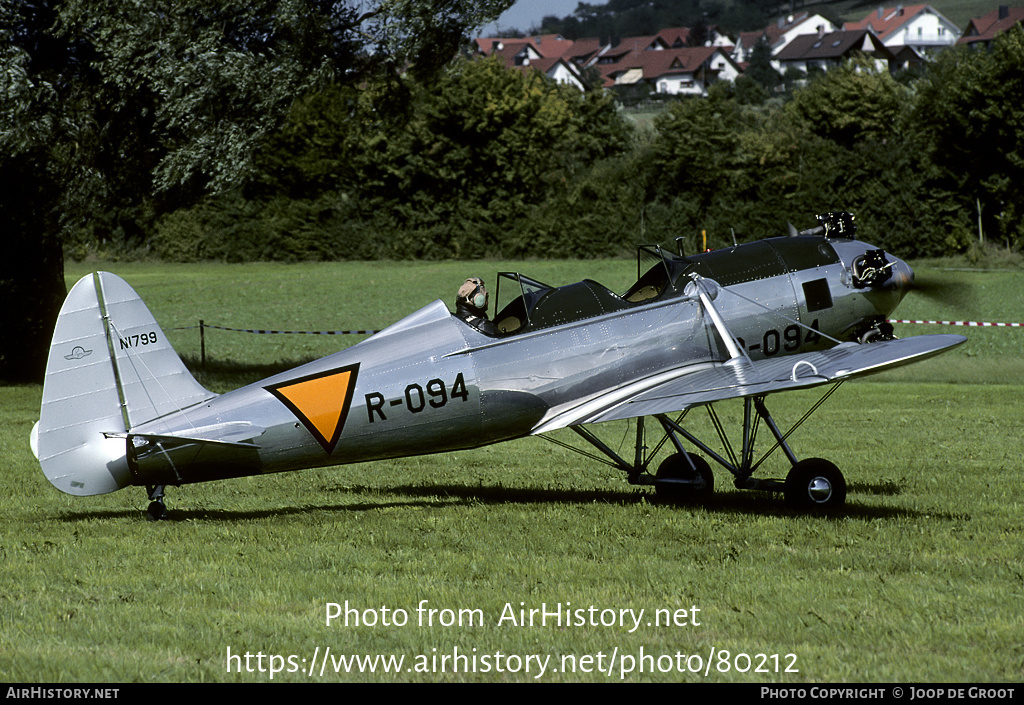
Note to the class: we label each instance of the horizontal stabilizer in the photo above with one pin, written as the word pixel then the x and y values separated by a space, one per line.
pixel 174 459
pixel 140 439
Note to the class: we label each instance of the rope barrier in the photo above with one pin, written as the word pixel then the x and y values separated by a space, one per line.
pixel 974 324
pixel 259 331
pixel 283 332
pixel 293 332
pixel 203 325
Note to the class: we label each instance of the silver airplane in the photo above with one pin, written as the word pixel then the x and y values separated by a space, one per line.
pixel 120 408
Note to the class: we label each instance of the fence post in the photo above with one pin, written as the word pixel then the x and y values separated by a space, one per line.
pixel 202 344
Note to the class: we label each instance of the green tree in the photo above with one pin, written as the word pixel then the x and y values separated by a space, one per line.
pixel 700 33
pixel 852 102
pixel 760 67
pixel 483 146
pixel 748 91
pixel 969 122
pixel 694 153
pixel 32 273
pixel 115 111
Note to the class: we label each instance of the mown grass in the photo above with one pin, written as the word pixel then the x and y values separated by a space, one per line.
pixel 919 578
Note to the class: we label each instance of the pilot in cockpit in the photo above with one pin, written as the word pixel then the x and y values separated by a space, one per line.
pixel 471 305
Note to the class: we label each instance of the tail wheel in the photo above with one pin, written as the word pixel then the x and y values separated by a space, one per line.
pixel 157 511
pixel 815 483
pixel 676 477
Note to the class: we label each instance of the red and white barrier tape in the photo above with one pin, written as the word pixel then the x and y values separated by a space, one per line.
pixel 976 324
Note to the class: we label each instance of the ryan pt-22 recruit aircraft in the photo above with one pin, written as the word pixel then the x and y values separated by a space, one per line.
pixel 120 408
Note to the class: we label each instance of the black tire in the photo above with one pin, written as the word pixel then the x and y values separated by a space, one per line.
pixel 157 511
pixel 675 478
pixel 815 483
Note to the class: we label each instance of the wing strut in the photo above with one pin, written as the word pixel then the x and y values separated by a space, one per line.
pixel 735 352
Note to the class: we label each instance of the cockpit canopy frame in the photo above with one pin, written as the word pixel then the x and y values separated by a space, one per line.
pixel 661 274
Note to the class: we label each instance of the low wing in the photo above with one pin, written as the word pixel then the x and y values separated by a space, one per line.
pixel 742 378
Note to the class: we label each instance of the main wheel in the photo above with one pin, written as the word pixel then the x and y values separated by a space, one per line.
pixel 815 483
pixel 676 478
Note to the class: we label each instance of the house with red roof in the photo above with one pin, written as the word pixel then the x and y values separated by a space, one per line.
pixel 545 53
pixel 585 51
pixel 980 31
pixel 920 27
pixel 683 71
pixel 552 45
pixel 679 37
pixel 620 48
pixel 825 50
pixel 690 70
pixel 653 64
pixel 657 64
pixel 780 33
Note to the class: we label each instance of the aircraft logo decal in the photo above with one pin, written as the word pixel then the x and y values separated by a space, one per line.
pixel 321 402
pixel 78 353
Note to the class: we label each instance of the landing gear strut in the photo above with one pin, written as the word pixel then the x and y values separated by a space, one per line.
pixel 812 483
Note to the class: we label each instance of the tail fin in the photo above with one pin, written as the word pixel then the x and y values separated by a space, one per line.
pixel 110 368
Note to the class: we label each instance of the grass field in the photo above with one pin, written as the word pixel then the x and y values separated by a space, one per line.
pixel 920 578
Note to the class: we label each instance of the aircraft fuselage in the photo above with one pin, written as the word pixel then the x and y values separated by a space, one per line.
pixel 431 383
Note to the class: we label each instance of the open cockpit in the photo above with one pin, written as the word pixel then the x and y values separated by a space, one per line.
pixel 535 305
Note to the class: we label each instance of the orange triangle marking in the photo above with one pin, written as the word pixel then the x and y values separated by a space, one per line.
pixel 321 402
pixel 316 400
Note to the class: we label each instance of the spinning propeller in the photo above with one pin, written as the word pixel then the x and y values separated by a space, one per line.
pixel 941 290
